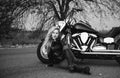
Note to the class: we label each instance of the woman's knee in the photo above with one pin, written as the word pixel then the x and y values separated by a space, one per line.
pixel 65 47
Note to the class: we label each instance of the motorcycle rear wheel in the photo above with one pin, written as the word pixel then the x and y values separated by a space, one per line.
pixel 118 57
pixel 118 60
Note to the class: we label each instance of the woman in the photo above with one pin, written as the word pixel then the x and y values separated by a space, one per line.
pixel 54 43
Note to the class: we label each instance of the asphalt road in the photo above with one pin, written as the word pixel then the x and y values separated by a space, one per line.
pixel 23 63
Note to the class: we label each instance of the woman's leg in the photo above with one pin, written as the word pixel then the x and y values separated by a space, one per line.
pixel 51 58
pixel 71 59
pixel 70 56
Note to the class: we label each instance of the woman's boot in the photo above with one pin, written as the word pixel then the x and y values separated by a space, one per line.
pixel 85 70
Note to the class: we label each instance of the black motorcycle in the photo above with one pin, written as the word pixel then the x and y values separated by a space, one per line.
pixel 87 43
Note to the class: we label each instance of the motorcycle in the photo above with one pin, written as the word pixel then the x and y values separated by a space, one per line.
pixel 87 43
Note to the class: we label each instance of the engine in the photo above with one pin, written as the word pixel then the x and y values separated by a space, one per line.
pixel 85 42
pixel 80 41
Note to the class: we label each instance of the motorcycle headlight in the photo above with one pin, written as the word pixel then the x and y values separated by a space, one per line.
pixel 61 24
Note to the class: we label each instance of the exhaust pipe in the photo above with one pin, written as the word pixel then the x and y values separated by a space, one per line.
pixel 104 52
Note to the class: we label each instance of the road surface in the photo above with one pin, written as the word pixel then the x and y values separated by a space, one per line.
pixel 23 63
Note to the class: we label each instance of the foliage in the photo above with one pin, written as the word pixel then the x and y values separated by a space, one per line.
pixel 50 11
pixel 101 11
pixel 10 10
pixel 23 37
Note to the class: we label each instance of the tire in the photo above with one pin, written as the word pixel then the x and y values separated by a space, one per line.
pixel 118 47
pixel 118 59
pixel 40 56
pixel 44 58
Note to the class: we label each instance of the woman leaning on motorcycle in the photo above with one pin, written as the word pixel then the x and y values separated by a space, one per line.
pixel 56 45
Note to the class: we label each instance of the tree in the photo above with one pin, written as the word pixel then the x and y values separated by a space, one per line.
pixel 101 12
pixel 57 10
pixel 9 11
pixel 51 11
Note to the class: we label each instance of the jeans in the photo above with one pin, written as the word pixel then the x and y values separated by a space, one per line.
pixel 71 59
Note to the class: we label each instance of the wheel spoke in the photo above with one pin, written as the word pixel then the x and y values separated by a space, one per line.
pixel 44 54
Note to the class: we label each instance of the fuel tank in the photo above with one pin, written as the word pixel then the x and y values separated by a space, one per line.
pixel 80 27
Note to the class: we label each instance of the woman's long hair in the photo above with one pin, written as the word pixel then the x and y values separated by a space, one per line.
pixel 48 40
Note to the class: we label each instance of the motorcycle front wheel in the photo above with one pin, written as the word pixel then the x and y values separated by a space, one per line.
pixel 43 56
